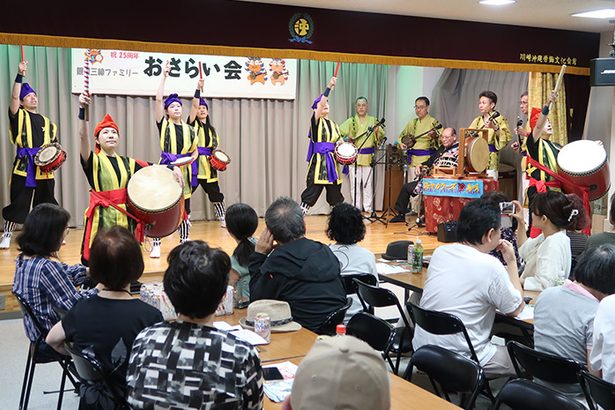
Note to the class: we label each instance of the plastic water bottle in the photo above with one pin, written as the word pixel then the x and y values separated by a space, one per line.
pixel 417 258
pixel 410 253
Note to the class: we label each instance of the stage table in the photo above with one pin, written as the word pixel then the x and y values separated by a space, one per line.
pixel 439 209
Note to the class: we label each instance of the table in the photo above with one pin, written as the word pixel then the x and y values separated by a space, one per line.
pixel 404 396
pixel 439 209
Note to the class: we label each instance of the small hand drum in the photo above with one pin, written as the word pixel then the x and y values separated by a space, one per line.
pixel 346 153
pixel 183 161
pixel 219 160
pixel 50 157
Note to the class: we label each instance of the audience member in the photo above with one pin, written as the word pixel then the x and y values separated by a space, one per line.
pixel 340 373
pixel 241 223
pixel 508 226
pixel 564 315
pixel 300 271
pixel 106 324
pixel 40 278
pixel 346 228
pixel 188 363
pixel 602 356
pixel 464 280
pixel 604 237
pixel 548 256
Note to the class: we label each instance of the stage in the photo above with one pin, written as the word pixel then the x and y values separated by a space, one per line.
pixel 376 239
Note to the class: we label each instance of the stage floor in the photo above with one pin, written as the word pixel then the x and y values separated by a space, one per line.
pixel 376 239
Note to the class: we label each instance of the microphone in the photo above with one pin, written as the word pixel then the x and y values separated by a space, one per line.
pixel 519 121
pixel 438 127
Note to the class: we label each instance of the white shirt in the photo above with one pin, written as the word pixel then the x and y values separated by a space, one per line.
pixel 603 351
pixel 471 285
pixel 354 259
pixel 547 261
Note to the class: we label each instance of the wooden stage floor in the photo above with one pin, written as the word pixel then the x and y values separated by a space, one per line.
pixel 376 239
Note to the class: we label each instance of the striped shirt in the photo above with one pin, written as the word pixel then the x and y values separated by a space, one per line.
pixel 44 283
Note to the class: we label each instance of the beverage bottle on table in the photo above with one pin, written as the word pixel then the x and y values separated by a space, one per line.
pixel 340 330
pixel 410 253
pixel 417 258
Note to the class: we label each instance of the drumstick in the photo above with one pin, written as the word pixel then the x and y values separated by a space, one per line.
pixel 337 68
pixel 558 83
pixel 86 82
pixel 23 54
pixel 542 119
pixel 200 71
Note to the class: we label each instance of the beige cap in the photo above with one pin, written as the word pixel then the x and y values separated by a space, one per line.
pixel 341 372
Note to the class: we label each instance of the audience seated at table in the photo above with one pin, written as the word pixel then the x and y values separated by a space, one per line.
pixel 602 357
pixel 106 324
pixel 604 237
pixel 564 315
pixel 464 280
pixel 40 278
pixel 548 256
pixel 300 271
pixel 508 227
pixel 340 373
pixel 188 363
pixel 346 228
pixel 241 223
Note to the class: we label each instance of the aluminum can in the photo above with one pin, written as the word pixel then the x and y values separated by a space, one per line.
pixel 262 326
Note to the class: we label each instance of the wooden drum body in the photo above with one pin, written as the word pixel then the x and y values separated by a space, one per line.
pixel 476 153
pixel 50 157
pixel 156 198
pixel 584 163
pixel 219 160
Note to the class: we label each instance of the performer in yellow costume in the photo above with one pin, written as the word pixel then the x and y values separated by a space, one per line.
pixel 323 170
pixel 361 130
pixel 497 126
pixel 427 127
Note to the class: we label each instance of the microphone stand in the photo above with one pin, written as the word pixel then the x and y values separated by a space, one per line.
pixel 373 217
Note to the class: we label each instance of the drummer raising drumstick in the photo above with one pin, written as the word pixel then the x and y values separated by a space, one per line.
pixel 108 174
pixel 29 130
pixel 177 140
pixel 208 141
pixel 323 170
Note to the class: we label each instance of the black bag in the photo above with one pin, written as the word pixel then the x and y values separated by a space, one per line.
pixel 447 231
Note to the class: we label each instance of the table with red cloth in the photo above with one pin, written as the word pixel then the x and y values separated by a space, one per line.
pixel 439 209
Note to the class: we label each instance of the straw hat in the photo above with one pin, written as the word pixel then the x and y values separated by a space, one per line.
pixel 278 312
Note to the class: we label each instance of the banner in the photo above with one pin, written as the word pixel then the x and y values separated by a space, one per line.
pixel 138 73
pixel 460 188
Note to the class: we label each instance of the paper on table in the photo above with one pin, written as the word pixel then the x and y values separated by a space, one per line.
pixel 386 269
pixel 527 313
pixel 277 390
pixel 249 336
pixel 221 325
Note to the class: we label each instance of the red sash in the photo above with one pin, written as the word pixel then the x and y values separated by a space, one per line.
pixel 106 199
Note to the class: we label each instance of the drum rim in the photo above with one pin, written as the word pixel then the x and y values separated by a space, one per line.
pixel 157 211
pixel 58 153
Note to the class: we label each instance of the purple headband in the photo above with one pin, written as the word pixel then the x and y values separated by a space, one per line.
pixel 171 99
pixel 25 90
pixel 202 101
pixel 316 101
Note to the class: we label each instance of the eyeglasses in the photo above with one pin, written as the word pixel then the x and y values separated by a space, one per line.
pixel 420 107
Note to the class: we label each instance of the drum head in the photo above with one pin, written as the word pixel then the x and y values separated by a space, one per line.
pixel 221 156
pixel 154 188
pixel 478 154
pixel 346 149
pixel 47 154
pixel 182 161
pixel 581 157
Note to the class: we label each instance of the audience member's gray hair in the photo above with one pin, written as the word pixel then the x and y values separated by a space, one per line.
pixel 284 220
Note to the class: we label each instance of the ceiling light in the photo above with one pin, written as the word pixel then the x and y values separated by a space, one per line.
pixel 597 14
pixel 496 2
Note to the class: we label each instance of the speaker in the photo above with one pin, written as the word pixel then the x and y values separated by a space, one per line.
pixel 602 72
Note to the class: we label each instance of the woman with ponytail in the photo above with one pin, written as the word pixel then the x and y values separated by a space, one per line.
pixel 548 257
pixel 241 223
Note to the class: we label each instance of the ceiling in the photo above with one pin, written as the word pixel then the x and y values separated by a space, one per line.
pixel 534 13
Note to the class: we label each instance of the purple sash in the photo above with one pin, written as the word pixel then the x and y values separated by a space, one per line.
pixel 324 148
pixel 28 154
pixel 418 153
pixel 363 151
pixel 166 158
pixel 195 165
pixel 492 148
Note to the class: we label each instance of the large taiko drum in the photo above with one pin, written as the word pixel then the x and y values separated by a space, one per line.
pixel 346 153
pixel 50 157
pixel 156 198
pixel 219 160
pixel 476 154
pixel 584 163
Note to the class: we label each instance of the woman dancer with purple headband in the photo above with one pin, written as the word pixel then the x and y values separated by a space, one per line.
pixel 323 170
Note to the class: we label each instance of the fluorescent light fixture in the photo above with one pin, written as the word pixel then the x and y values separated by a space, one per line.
pixel 597 14
pixel 497 2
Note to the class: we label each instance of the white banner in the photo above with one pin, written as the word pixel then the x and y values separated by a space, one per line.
pixel 138 73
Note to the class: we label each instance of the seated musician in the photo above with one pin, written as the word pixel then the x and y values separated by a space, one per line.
pixel 446 155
